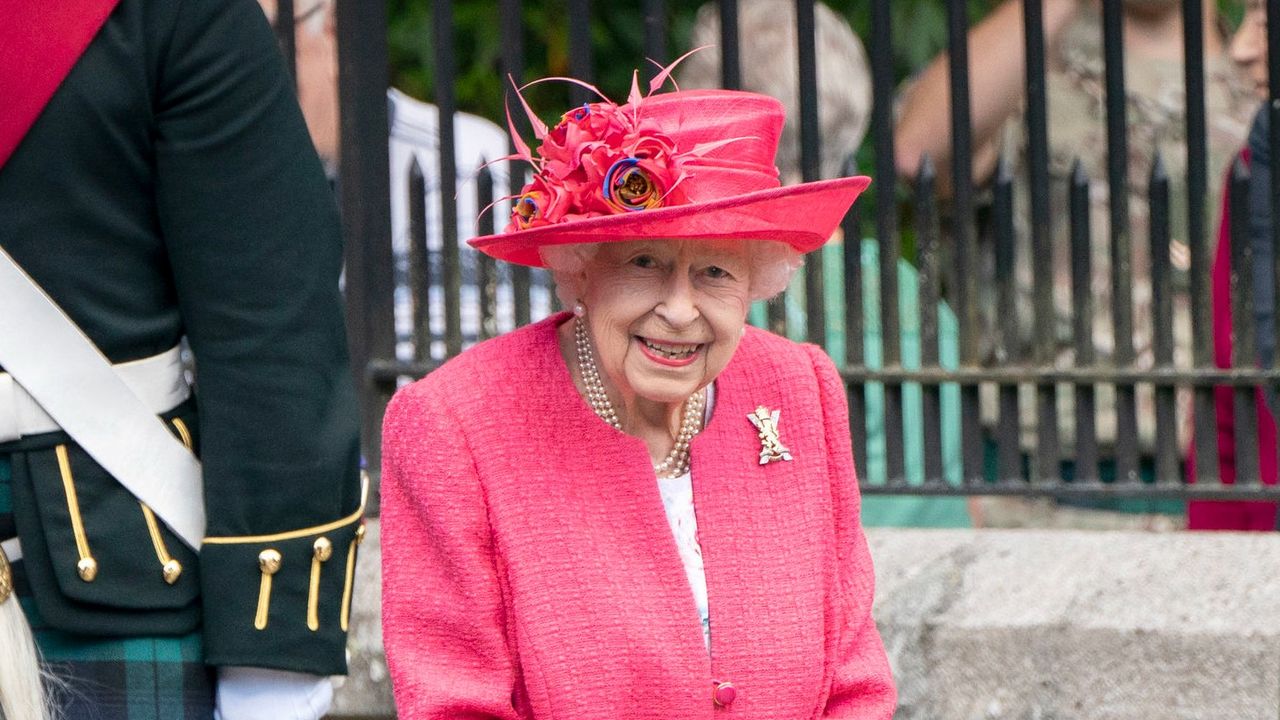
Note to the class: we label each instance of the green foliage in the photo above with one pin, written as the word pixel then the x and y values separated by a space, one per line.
pixel 617 45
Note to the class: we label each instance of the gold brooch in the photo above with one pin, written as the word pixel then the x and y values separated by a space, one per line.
pixel 771 447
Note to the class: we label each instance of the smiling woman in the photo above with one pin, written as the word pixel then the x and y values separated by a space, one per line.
pixel 666 315
pixel 642 508
pixel 665 318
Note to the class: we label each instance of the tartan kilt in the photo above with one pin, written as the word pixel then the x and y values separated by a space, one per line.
pixel 133 678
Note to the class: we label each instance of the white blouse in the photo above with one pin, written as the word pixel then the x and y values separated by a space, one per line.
pixel 677 499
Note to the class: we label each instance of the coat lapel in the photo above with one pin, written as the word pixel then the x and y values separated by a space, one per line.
pixel 593 510
pixel 763 533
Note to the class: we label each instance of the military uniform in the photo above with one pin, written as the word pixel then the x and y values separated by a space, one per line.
pixel 169 189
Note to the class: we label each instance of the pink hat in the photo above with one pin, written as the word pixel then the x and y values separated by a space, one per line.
pixel 687 164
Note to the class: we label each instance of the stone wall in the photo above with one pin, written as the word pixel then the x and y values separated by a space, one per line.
pixel 984 625
pixel 1029 625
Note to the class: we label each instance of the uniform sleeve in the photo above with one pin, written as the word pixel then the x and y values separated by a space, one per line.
pixel 253 239
pixel 862 686
pixel 443 616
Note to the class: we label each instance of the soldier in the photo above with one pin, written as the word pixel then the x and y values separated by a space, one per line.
pixel 157 182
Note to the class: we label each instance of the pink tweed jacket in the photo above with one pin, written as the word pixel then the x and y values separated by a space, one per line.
pixel 529 571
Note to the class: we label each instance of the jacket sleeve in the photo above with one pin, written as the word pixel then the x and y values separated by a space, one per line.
pixel 253 239
pixel 443 616
pixel 862 685
pixel 1260 224
pixel 1265 287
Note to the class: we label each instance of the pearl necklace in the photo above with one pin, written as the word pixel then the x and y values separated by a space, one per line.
pixel 676 463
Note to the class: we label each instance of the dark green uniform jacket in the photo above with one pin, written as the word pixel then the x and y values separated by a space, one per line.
pixel 170 189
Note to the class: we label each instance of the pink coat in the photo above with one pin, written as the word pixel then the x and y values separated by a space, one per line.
pixel 529 571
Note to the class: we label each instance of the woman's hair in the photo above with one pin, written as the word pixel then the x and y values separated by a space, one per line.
pixel 772 265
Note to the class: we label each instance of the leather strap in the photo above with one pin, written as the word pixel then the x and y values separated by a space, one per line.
pixel 39 44
pixel 76 385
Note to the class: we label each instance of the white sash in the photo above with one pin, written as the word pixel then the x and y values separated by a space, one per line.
pixel 53 360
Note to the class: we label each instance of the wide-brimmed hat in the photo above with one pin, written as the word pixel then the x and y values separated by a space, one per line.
pixel 693 164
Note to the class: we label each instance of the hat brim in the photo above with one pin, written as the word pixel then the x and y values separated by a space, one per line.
pixel 803 216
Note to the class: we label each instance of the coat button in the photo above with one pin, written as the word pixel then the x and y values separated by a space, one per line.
pixel 724 694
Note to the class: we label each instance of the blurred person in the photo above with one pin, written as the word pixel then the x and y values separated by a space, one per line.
pixel 413 133
pixel 1249 49
pixel 316 64
pixel 1075 89
pixel 768 48
pixel 767 29
pixel 180 552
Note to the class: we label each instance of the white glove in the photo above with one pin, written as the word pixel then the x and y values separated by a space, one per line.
pixel 250 693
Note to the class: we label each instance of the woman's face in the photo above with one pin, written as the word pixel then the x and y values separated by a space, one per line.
pixel 1249 46
pixel 665 315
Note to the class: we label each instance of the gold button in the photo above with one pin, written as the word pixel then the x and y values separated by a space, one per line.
pixel 269 561
pixel 88 569
pixel 323 549
pixel 172 571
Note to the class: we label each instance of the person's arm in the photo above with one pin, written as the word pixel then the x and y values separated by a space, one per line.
pixel 1264 281
pixel 862 686
pixel 444 623
pixel 996 91
pixel 1260 229
pixel 252 237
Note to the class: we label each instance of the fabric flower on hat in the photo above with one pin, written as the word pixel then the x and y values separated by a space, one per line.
pixel 540 199
pixel 600 159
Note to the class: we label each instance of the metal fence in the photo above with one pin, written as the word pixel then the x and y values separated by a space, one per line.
pixel 991 460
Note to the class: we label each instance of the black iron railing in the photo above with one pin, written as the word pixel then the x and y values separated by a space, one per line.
pixel 954 281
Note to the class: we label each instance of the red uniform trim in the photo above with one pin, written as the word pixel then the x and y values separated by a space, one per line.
pixel 39 43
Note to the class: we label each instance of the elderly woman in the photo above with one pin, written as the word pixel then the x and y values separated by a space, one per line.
pixel 642 508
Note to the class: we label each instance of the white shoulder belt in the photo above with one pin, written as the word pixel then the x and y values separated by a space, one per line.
pixel 110 411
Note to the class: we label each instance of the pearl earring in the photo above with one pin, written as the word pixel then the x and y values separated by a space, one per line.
pixel 579 310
